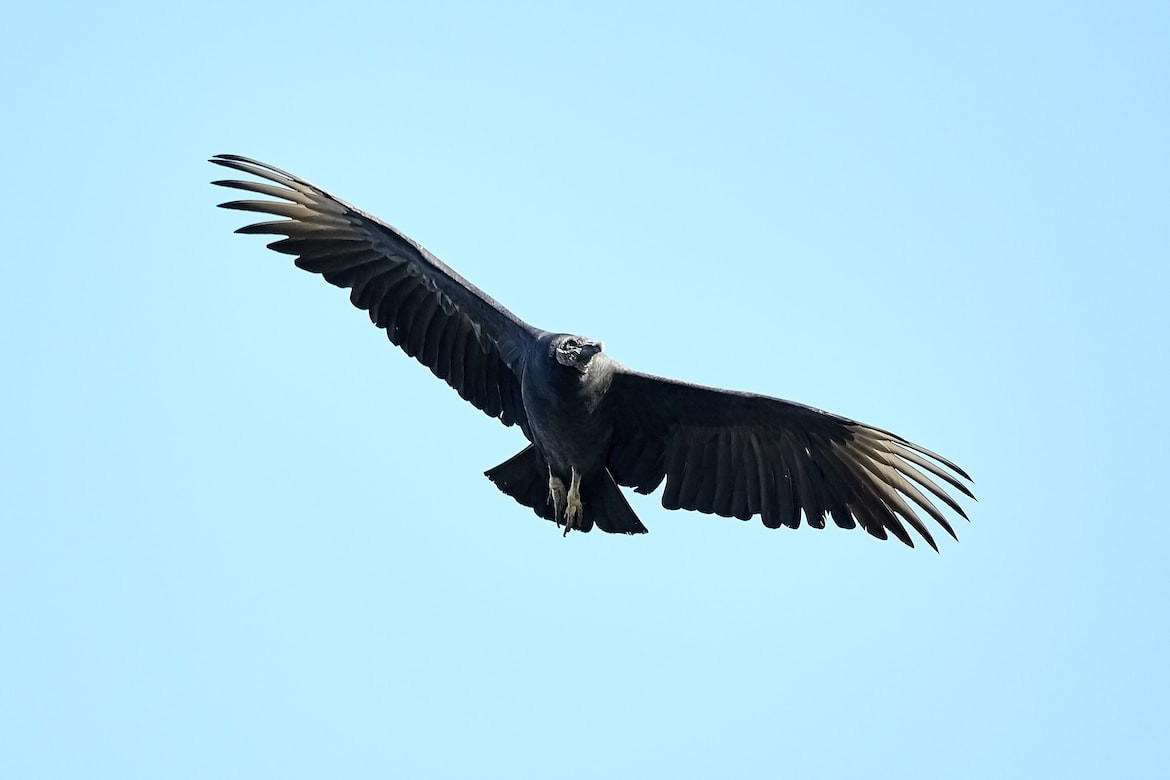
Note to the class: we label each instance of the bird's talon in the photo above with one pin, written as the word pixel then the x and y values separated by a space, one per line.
pixel 556 497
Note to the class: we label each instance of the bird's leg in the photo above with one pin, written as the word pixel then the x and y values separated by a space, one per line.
pixel 556 496
pixel 574 508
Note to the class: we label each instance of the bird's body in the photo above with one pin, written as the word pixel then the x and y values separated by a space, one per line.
pixel 565 407
pixel 592 423
pixel 571 427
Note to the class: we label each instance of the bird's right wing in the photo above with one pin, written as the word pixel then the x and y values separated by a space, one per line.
pixel 457 331
pixel 739 455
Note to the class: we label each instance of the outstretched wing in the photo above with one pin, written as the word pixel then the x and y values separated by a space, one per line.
pixel 739 455
pixel 439 318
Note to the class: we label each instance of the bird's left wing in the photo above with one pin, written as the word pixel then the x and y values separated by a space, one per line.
pixel 739 455
pixel 446 323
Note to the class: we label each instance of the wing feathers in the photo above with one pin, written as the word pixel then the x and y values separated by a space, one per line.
pixel 752 475
pixel 907 452
pixel 262 188
pixel 739 455
pixel 674 472
pixel 462 335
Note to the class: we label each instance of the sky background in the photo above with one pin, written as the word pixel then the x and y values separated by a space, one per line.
pixel 243 536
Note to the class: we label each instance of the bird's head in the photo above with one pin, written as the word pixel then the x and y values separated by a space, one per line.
pixel 575 351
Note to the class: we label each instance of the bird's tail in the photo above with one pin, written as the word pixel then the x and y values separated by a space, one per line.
pixel 524 477
pixel 608 508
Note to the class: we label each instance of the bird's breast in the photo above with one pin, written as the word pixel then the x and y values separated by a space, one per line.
pixel 567 419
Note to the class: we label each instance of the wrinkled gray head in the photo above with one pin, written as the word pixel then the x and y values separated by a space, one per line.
pixel 575 351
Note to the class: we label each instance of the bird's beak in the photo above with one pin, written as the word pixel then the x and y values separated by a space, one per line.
pixel 591 348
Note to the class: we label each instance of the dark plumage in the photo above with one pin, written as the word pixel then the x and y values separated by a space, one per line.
pixel 592 423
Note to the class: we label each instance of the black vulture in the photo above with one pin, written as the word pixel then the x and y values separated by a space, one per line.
pixel 592 424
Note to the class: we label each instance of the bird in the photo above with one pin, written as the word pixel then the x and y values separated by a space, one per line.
pixel 593 425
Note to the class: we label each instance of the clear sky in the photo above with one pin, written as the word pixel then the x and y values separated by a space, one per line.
pixel 243 536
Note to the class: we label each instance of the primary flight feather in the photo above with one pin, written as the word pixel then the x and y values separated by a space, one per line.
pixel 593 424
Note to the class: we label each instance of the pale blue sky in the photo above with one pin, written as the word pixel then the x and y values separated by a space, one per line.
pixel 243 536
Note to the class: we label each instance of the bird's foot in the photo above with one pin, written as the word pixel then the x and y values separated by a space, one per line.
pixel 574 507
pixel 556 497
